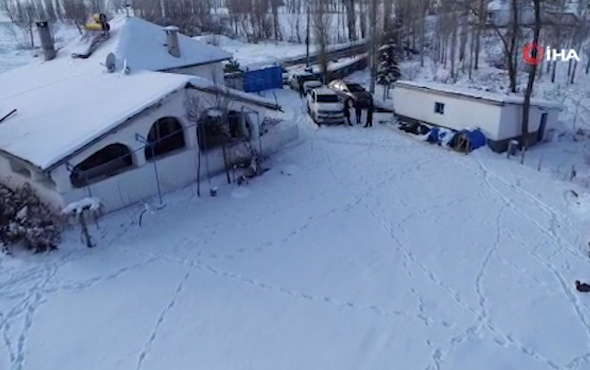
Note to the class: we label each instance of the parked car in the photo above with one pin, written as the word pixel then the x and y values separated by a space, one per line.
pixel 324 106
pixel 308 80
pixel 351 92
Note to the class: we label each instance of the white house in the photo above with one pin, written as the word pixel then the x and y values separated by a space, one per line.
pixel 498 116
pixel 127 135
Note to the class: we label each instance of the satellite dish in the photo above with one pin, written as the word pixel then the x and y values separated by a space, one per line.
pixel 111 63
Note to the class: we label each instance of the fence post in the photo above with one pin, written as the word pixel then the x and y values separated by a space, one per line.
pixel 144 141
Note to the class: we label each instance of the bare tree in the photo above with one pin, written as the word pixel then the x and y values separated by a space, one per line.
pixel 321 28
pixel 22 14
pixel 76 12
pixel 351 15
pixel 531 79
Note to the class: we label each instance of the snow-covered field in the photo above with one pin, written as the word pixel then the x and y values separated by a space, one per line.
pixel 10 55
pixel 359 249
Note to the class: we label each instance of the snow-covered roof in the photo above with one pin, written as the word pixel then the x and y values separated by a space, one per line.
pixel 143 45
pixel 57 119
pixel 474 94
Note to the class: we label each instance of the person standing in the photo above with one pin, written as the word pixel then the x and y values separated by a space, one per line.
pixel 358 110
pixel 301 91
pixel 347 115
pixel 369 122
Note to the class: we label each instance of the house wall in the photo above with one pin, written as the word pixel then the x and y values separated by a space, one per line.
pixel 176 170
pixel 213 71
pixel 458 113
pixel 45 188
pixel 512 117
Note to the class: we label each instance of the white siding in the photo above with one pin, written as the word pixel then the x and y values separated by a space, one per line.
pixel 512 117
pixel 213 72
pixel 458 113
pixel 47 192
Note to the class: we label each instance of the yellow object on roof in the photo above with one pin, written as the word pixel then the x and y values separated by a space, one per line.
pixel 93 26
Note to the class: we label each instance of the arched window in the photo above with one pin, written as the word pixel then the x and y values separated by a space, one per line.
pixel 165 136
pixel 109 161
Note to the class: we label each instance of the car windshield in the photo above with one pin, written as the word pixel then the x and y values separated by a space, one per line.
pixel 329 98
pixel 355 88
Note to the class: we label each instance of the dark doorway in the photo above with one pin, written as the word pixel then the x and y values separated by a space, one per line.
pixel 542 126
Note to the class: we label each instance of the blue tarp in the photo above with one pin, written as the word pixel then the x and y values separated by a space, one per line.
pixel 263 79
pixel 476 138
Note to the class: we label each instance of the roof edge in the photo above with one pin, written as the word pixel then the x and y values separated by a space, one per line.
pixel 194 65
pixel 467 95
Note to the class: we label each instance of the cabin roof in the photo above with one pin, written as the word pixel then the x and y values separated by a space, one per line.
pixel 473 94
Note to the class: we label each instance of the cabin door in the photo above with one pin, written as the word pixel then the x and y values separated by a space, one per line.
pixel 542 125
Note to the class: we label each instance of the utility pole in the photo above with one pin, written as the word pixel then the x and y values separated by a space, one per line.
pixel 307 39
pixel 373 43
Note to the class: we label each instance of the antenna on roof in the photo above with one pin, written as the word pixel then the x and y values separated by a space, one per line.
pixel 110 63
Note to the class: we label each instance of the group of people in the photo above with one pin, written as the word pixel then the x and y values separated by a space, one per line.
pixel 358 109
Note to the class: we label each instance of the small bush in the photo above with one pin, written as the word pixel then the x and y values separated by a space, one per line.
pixel 25 219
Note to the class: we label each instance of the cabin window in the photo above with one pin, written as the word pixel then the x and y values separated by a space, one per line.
pixel 109 161
pixel 439 108
pixel 165 136
pixel 19 168
pixel 217 128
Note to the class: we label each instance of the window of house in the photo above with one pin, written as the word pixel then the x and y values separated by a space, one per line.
pixel 109 161
pixel 217 128
pixel 439 108
pixel 20 168
pixel 165 136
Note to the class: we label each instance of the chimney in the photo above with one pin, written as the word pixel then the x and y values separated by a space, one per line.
pixel 46 40
pixel 172 41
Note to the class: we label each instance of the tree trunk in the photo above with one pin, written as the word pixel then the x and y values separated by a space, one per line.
pixel 531 80
pixel 480 26
pixel 574 72
pixel 351 18
pixel 453 51
pixel 373 53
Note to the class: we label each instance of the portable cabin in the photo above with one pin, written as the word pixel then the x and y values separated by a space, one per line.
pixel 498 116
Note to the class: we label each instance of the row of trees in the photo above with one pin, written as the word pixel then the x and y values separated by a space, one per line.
pixel 24 13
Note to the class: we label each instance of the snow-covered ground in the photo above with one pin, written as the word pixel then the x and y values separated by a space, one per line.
pixel 10 55
pixel 359 249
pixel 13 55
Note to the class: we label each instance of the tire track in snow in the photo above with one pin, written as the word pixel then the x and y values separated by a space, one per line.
pixel 148 345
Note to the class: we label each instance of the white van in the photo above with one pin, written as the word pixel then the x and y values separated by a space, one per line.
pixel 324 106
